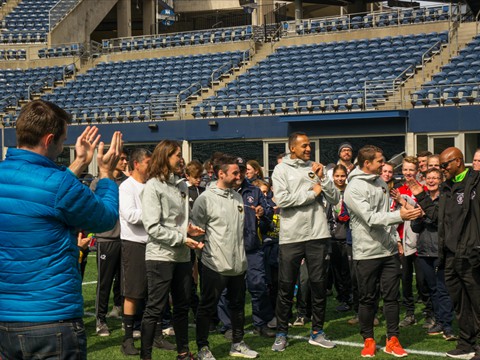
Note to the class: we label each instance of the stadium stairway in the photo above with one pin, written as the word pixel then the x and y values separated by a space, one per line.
pixel 7 7
pixel 458 41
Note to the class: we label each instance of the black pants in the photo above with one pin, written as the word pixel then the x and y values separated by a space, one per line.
pixel 304 294
pixel 341 271
pixel 385 272
pixel 109 256
pixel 463 284
pixel 409 265
pixel 316 255
pixel 353 279
pixel 212 286
pixel 164 277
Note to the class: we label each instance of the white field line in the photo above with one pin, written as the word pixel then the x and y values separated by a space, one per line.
pixel 89 283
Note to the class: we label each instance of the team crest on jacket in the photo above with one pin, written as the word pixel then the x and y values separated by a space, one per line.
pixel 384 190
pixel 240 208
pixel 311 174
pixel 250 199
pixel 460 197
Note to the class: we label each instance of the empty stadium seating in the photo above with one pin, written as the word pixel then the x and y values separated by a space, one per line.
pixel 323 77
pixel 117 91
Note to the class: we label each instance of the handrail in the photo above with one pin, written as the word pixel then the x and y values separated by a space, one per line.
pixel 427 53
pixel 39 81
pixel 222 66
pixel 54 18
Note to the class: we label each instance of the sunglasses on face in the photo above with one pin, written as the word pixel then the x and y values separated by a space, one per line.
pixel 445 164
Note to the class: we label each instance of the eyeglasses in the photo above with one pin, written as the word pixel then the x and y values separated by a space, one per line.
pixel 445 164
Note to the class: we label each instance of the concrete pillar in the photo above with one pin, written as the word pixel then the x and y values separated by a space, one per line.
pixel 149 17
pixel 124 18
pixel 298 12
pixel 265 7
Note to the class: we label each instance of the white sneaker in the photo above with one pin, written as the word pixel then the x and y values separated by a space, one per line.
pixel 242 350
pixel 168 331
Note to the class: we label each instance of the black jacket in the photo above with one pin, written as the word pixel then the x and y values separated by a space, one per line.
pixel 427 243
pixel 468 224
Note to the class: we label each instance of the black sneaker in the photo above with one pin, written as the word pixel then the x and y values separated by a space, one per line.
pixel 186 356
pixel 449 335
pixel 264 331
pixel 128 348
pixel 460 354
pixel 102 329
pixel 436 329
pixel 343 307
pixel 161 343
pixel 409 320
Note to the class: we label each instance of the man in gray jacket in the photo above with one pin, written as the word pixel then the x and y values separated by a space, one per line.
pixel 375 250
pixel 301 187
pixel 219 210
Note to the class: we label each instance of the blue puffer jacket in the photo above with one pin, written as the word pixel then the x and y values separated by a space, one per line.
pixel 253 196
pixel 41 207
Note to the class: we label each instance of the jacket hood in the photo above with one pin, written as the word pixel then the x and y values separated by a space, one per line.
pixel 221 192
pixel 295 162
pixel 359 174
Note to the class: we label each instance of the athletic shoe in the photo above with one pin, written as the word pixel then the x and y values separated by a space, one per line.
pixel 299 321
pixel 343 307
pixel 161 343
pixel 394 348
pixel 116 312
pixel 242 350
pixel 102 329
pixel 137 334
pixel 320 339
pixel 168 331
pixel 228 334
pixel 429 322
pixel 460 354
pixel 436 329
pixel 272 324
pixel 205 354
pixel 128 348
pixel 264 331
pixel 449 335
pixel 280 342
pixel 353 321
pixel 409 320
pixel 186 356
pixel 369 348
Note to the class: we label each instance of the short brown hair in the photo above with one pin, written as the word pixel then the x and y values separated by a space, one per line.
pixel 194 168
pixel 223 162
pixel 367 153
pixel 424 153
pixel 39 118
pixel 411 160
pixel 159 166
pixel 292 139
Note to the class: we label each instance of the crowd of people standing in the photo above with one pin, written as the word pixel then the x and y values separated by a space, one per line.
pixel 169 227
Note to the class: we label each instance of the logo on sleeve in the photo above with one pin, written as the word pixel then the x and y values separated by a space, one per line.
pixel 240 208
pixel 250 199
pixel 311 174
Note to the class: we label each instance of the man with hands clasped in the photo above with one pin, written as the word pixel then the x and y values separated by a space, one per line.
pixel 301 186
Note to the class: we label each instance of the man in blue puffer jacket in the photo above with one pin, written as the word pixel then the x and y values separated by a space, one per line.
pixel 42 206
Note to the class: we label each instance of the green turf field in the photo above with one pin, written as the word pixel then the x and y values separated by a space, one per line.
pixel 413 338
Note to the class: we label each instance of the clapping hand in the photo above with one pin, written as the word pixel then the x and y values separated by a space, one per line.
pixel 108 161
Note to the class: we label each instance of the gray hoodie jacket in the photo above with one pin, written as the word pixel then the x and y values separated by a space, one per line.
pixel 303 213
pixel 374 233
pixel 220 212
pixel 165 218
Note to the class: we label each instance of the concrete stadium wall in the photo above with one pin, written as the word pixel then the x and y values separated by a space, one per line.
pixel 205 5
pixel 80 23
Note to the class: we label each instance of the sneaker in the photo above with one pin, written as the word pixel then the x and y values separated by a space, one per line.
pixel 186 356
pixel 280 342
pixel 205 354
pixel 436 329
pixel 168 331
pixel 242 350
pixel 449 335
pixel 228 334
pixel 394 348
pixel 102 329
pixel 353 321
pixel 299 321
pixel 369 348
pixel 272 324
pixel 429 322
pixel 128 348
pixel 116 312
pixel 161 343
pixel 264 331
pixel 320 339
pixel 137 334
pixel 409 320
pixel 460 354
pixel 343 307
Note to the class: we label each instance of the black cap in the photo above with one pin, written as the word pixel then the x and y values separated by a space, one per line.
pixel 241 162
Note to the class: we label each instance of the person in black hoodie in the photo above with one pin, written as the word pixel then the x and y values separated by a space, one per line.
pixel 458 214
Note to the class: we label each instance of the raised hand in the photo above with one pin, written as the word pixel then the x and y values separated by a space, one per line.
pixel 84 149
pixel 108 161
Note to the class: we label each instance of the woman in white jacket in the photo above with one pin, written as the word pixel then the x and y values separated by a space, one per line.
pixel 165 218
